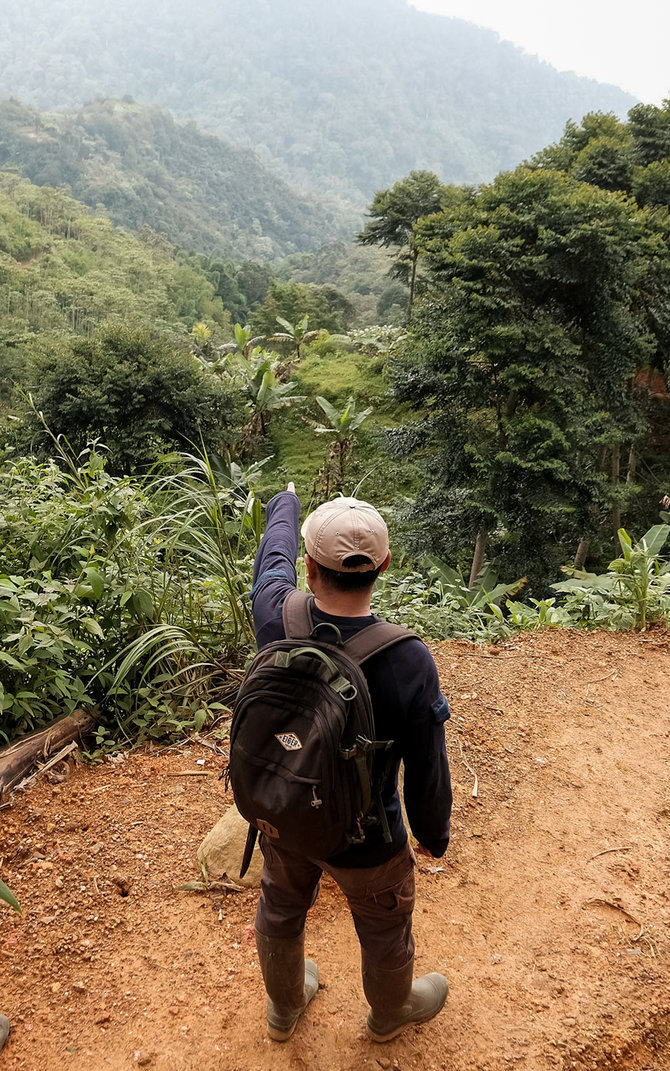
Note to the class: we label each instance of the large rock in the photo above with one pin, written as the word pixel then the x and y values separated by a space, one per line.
pixel 222 849
pixel 4 1030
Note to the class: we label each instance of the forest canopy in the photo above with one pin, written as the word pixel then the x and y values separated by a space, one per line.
pixel 342 99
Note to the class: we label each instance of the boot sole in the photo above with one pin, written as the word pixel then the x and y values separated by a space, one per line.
pixel 399 1029
pixel 281 1035
pixel 376 1036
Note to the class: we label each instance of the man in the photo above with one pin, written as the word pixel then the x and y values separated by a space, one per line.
pixel 347 548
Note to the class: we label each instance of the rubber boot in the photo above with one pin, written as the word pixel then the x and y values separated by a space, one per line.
pixel 290 981
pixel 397 1002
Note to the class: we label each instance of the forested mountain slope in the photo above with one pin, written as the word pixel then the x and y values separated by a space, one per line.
pixel 63 270
pixel 344 98
pixel 147 169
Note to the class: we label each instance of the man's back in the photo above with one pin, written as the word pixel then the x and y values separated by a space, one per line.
pixel 404 689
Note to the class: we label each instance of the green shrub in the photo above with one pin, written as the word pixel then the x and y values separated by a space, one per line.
pixel 135 392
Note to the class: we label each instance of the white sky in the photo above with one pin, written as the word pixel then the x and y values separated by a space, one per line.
pixel 626 44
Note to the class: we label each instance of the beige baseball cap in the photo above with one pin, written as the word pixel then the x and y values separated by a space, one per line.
pixel 343 528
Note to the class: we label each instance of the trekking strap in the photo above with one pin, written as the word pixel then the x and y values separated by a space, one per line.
pixel 374 638
pixel 298 624
pixel 252 833
pixel 296 615
pixel 358 752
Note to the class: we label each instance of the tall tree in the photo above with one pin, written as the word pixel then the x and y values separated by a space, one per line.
pixel 395 213
pixel 523 357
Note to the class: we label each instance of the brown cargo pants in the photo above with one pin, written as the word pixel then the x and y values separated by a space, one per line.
pixel 381 900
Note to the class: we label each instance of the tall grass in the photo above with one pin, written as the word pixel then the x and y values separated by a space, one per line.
pixel 125 593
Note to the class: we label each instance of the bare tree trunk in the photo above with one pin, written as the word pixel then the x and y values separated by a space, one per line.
pixel 582 551
pixel 479 556
pixel 19 758
pixel 616 505
pixel 412 282
pixel 632 466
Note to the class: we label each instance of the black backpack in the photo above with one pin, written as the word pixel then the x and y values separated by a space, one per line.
pixel 302 738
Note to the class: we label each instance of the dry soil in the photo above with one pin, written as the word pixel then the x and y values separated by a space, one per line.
pixel 550 913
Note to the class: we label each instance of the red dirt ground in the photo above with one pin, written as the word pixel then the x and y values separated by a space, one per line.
pixel 551 915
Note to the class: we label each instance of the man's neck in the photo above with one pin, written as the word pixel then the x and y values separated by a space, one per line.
pixel 344 603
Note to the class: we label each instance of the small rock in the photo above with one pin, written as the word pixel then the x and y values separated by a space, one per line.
pixel 78 987
pixel 143 1059
pixel 97 848
pixel 383 1062
pixel 4 1030
pixel 496 957
pixel 223 848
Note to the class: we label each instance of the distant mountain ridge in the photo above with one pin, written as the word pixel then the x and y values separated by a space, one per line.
pixel 342 98
pixel 147 169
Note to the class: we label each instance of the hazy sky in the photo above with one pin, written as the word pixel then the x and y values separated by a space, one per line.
pixel 627 44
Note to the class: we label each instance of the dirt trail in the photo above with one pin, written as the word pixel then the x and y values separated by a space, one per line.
pixel 556 945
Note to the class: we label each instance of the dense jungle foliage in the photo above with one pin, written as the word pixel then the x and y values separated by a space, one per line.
pixel 513 427
pixel 341 98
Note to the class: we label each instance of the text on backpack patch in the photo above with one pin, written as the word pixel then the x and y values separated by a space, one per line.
pixel 289 741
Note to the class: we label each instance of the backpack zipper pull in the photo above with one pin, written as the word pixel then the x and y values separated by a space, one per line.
pixel 315 802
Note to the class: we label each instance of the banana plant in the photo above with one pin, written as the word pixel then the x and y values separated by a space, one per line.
pixel 638 581
pixel 451 586
pixel 342 425
pixel 245 341
pixel 297 334
pixel 263 388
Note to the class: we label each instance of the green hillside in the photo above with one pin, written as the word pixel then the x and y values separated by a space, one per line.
pixel 147 169
pixel 63 270
pixel 343 98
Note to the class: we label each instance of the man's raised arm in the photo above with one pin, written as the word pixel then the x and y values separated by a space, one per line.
pixel 274 568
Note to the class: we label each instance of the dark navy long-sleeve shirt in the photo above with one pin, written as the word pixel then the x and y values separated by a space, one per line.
pixel 407 704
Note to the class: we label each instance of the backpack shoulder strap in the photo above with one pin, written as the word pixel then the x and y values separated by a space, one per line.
pixel 296 615
pixel 375 638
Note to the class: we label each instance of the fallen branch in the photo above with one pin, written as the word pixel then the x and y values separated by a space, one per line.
pixel 202 886
pixel 606 851
pixel 35 749
pixel 190 773
pixel 598 680
pixel 605 678
pixel 53 761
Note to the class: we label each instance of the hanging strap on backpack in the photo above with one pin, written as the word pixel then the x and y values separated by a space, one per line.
pixel 249 846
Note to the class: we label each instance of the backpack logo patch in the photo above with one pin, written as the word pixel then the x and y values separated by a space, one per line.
pixel 289 741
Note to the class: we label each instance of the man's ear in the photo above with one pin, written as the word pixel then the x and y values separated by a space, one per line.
pixel 311 568
pixel 385 564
